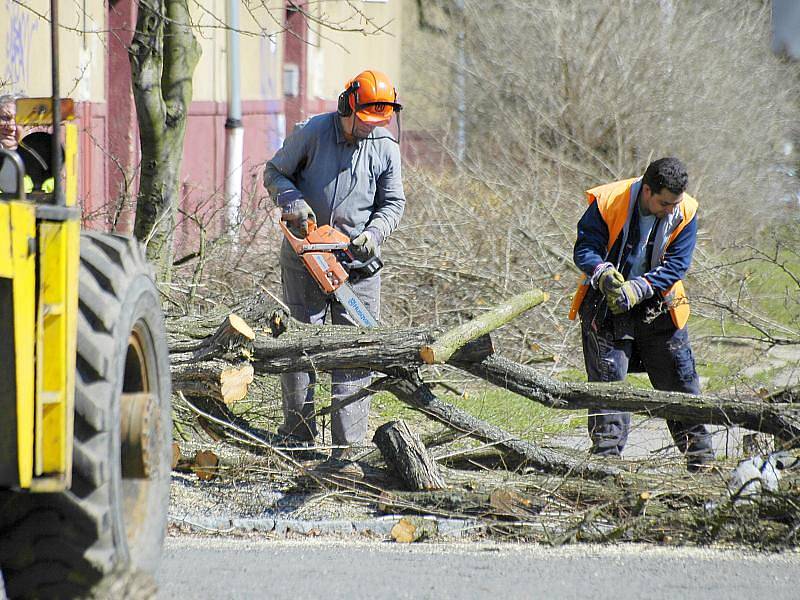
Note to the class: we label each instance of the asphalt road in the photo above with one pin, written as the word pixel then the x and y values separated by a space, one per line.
pixel 218 568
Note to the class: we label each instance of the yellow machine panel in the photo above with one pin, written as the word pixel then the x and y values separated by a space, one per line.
pixel 18 265
pixel 59 250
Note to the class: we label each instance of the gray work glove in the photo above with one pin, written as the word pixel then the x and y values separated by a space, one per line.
pixel 295 211
pixel 365 245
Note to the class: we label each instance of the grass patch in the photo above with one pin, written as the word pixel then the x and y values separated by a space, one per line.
pixel 502 408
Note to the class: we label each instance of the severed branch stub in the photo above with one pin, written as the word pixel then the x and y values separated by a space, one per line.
pixel 230 334
pixel 447 344
pixel 403 451
pixel 216 379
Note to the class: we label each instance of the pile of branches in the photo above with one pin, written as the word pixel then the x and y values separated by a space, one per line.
pixel 526 490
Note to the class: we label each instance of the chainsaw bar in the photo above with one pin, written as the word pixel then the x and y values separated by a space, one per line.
pixel 355 308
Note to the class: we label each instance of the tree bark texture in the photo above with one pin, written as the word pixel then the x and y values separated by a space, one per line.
pixel 403 451
pixel 163 55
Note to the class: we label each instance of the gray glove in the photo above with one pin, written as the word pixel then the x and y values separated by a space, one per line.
pixel 295 211
pixel 365 245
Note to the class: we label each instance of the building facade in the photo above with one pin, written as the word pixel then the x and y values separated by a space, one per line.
pixel 294 63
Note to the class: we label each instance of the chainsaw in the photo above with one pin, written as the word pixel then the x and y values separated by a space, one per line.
pixel 326 254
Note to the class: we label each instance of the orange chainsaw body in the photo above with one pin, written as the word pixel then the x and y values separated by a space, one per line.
pixel 323 266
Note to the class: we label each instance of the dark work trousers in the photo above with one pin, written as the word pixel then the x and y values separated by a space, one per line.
pixel 308 304
pixel 665 354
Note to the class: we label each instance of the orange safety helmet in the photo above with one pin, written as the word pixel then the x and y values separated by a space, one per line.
pixel 372 96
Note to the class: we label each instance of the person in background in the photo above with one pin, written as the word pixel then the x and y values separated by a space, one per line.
pixel 33 147
pixel 10 133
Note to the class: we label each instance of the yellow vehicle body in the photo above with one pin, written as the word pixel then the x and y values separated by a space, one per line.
pixel 39 255
pixel 85 411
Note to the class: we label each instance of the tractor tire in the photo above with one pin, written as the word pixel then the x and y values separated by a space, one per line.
pixel 113 517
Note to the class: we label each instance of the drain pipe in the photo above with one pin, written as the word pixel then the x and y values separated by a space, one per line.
pixel 234 131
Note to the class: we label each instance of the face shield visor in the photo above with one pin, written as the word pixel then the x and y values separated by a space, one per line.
pixel 379 114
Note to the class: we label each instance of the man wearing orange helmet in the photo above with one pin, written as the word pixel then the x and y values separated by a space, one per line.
pixel 341 168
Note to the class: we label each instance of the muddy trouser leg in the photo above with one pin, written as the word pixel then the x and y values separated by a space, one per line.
pixel 349 424
pixel 667 356
pixel 308 305
pixel 606 360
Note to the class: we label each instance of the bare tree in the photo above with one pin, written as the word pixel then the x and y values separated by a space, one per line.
pixel 164 54
pixel 565 95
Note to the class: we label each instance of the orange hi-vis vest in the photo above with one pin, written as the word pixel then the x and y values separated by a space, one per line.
pixel 614 201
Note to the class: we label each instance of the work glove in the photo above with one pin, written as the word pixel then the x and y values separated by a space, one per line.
pixel 365 245
pixel 295 211
pixel 606 278
pixel 628 295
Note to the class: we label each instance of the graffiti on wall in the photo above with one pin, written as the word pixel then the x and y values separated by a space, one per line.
pixel 22 24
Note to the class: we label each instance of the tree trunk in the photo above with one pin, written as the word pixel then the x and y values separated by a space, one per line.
pixel 782 420
pixel 163 55
pixel 394 352
pixel 403 451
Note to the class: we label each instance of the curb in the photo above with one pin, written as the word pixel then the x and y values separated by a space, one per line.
pixel 378 526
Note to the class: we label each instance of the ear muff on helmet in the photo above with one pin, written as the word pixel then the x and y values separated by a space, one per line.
pixel 344 109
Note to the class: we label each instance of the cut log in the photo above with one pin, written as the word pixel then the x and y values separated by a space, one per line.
pixel 216 379
pixel 232 337
pixel 234 383
pixel 205 465
pixel 404 453
pixel 413 529
pixel 446 345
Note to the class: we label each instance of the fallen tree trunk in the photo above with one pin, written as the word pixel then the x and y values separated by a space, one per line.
pixel 324 348
pixel 417 394
pixel 781 420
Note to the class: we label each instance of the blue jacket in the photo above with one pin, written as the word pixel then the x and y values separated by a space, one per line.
pixel 590 249
pixel 608 232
